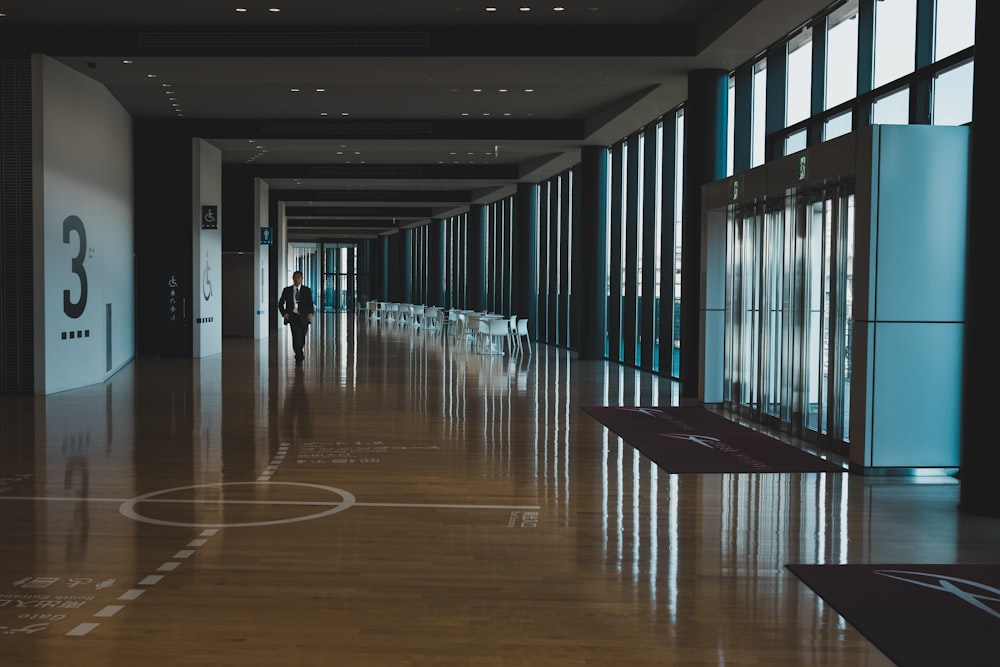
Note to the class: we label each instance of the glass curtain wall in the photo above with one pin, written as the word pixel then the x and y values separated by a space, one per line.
pixel 887 62
pixel 675 369
pixel 789 282
pixel 334 293
pixel 305 257
pixel 554 244
pixel 856 90
pixel 499 220
pixel 637 267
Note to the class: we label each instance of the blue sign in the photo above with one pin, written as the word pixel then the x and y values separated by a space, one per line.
pixel 265 236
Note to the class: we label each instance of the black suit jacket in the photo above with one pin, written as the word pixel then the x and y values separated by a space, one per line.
pixel 287 301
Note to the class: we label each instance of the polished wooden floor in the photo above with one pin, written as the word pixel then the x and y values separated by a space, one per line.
pixel 401 500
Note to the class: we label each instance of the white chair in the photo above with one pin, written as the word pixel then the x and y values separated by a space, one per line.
pixel 462 328
pixel 432 319
pixel 513 341
pixel 522 332
pixel 498 335
pixel 417 315
pixel 472 331
pixel 451 324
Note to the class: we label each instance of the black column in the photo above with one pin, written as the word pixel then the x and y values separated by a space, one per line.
pixel 476 253
pixel 406 266
pixel 382 253
pixel 435 263
pixel 704 162
pixel 590 274
pixel 980 457
pixel 17 328
pixel 163 242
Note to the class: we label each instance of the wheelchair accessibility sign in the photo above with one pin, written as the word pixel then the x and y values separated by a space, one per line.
pixel 209 217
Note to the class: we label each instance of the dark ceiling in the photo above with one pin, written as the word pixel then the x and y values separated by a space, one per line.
pixel 372 116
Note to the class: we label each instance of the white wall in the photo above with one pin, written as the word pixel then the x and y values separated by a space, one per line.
pixel 207 249
pixel 83 216
pixel 262 283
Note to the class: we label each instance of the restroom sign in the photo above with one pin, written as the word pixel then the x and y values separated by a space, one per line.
pixel 209 217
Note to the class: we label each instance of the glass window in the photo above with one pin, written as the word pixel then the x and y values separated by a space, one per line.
pixel 892 109
pixel 842 55
pixel 675 362
pixel 954 27
pixel 895 39
pixel 797 82
pixel 759 113
pixel 731 127
pixel 795 142
pixel 953 96
pixel 837 126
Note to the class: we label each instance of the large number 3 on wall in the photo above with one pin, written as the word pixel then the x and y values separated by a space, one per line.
pixel 75 224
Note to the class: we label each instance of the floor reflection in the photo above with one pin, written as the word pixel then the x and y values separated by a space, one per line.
pixel 459 508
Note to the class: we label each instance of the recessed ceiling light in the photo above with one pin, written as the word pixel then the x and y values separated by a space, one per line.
pixel 491 9
pixel 274 10
pixel 323 113
pixel 295 90
pixel 558 9
pixel 150 76
pixel 345 113
pixel 128 62
pixel 502 90
pixel 529 90
pixel 321 90
pixel 477 90
pixel 524 9
pixel 465 113
pixel 241 10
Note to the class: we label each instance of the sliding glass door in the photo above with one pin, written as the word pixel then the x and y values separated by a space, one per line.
pixel 788 311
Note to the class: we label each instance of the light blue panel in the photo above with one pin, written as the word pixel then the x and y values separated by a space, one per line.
pixel 916 405
pixel 713 244
pixel 921 223
pixel 862 391
pixel 713 332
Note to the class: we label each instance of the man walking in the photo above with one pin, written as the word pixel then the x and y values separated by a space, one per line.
pixel 296 307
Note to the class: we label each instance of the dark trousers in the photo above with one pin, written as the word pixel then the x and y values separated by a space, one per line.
pixel 299 326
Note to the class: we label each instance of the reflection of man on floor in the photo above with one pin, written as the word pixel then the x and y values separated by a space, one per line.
pixel 296 307
pixel 295 415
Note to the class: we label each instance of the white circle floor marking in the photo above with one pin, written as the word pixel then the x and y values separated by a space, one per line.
pixel 128 507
